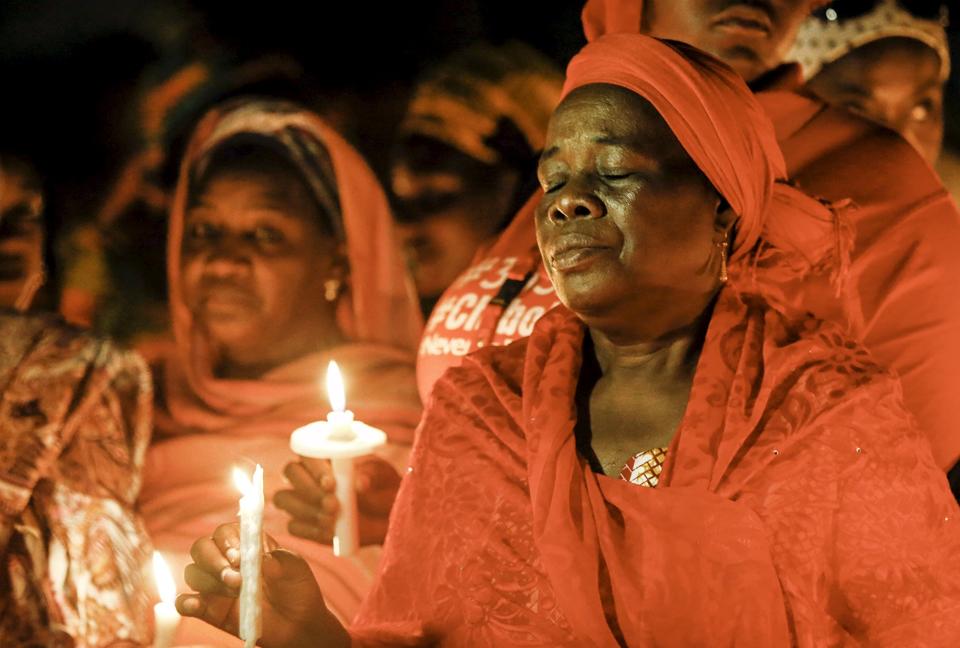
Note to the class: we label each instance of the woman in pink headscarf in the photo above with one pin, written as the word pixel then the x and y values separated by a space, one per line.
pixel 281 258
pixel 674 457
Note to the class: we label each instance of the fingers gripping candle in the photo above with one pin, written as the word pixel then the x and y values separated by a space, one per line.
pixel 339 439
pixel 251 553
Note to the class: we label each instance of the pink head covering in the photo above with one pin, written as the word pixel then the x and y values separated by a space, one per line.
pixel 379 304
pixel 725 131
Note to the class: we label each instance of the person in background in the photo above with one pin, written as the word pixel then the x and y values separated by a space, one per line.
pixel 464 156
pixel 281 258
pixel 883 59
pixel 75 419
pixel 113 278
pixel 671 458
pixel 22 233
pixel 905 270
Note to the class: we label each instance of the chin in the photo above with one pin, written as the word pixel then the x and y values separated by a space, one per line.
pixel 585 302
pixel 744 60
pixel 230 331
pixel 434 279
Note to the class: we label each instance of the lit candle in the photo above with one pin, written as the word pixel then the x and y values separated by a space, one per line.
pixel 165 616
pixel 339 439
pixel 251 553
pixel 340 419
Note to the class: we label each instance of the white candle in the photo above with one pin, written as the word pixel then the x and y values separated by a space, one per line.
pixel 346 535
pixel 251 553
pixel 165 616
pixel 339 439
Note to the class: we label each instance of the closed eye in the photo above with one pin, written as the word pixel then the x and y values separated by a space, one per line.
pixel 550 188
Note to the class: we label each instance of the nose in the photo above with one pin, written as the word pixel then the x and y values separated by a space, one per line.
pixel 575 203
pixel 227 256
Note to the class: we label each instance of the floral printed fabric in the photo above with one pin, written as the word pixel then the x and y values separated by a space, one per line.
pixel 75 418
pixel 799 505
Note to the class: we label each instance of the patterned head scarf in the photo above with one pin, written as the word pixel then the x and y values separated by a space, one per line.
pixel 821 42
pixel 463 101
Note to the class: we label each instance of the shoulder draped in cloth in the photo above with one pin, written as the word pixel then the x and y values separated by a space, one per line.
pixel 75 421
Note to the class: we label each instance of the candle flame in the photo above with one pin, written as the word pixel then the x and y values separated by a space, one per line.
pixel 335 393
pixel 242 482
pixel 164 579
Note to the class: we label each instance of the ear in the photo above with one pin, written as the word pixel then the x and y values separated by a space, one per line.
pixel 725 218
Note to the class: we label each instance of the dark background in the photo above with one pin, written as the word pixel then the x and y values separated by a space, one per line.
pixel 70 70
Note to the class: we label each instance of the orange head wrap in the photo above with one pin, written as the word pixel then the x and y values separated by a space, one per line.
pixel 725 131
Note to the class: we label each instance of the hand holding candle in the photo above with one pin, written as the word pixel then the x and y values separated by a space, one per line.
pixel 340 439
pixel 165 616
pixel 251 553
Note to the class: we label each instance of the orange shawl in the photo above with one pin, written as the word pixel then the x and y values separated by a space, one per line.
pixel 206 425
pixel 800 507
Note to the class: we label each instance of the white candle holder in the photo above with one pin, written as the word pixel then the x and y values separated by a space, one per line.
pixel 326 440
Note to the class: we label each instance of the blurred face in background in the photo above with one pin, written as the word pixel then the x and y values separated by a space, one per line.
pixel 447 206
pixel 21 230
pixel 894 81
pixel 752 36
pixel 255 257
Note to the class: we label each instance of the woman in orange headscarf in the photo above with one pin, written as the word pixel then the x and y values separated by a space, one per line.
pixel 904 274
pixel 674 457
pixel 281 257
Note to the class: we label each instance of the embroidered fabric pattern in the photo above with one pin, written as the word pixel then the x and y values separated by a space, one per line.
pixel 644 468
pixel 75 415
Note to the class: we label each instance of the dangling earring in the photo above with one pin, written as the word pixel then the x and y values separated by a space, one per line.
pixel 723 245
pixel 331 289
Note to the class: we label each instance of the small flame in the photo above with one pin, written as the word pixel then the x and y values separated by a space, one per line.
pixel 242 482
pixel 164 579
pixel 335 394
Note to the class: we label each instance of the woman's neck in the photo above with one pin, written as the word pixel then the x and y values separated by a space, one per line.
pixel 245 365
pixel 672 354
pixel 632 396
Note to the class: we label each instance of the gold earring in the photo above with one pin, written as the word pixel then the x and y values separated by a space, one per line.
pixel 723 245
pixel 331 289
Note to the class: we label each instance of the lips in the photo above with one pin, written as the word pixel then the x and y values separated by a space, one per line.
pixel 574 251
pixel 227 301
pixel 746 20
